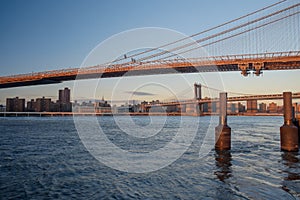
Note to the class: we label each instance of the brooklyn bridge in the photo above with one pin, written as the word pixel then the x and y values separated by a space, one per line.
pixel 245 44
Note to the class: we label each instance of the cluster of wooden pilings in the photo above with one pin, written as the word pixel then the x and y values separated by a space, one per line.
pixel 289 131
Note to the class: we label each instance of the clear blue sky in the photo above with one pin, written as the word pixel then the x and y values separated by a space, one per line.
pixel 54 34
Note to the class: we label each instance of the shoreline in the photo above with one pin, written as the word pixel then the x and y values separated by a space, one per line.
pixel 68 114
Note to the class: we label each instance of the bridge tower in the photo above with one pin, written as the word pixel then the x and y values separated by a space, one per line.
pixel 223 131
pixel 197 90
pixel 198 96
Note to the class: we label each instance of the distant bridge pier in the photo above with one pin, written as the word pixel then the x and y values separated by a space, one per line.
pixel 288 132
pixel 223 131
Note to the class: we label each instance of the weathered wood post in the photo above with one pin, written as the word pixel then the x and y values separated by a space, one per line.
pixel 223 131
pixel 288 132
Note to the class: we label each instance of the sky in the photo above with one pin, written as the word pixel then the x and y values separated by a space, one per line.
pixel 57 34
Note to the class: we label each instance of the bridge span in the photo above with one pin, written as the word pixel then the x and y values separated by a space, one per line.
pixel 244 63
pixel 243 35
pixel 229 99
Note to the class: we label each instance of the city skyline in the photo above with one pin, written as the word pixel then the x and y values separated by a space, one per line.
pixel 41 104
pixel 131 101
pixel 64 104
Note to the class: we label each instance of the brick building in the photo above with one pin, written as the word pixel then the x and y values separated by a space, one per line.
pixel 15 105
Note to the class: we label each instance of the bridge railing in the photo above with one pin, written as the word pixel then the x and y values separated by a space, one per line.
pixel 41 74
pixel 203 60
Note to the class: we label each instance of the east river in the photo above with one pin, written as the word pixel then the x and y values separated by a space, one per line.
pixel 46 158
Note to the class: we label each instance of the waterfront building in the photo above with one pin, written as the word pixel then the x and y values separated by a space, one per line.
pixel 172 108
pixel 143 106
pixel 87 104
pixel 124 109
pixel 84 109
pixel 54 107
pixel 251 106
pixel 232 108
pixel 206 107
pixel 64 95
pixel 273 108
pixel 295 107
pixel 15 105
pixel 241 107
pixel 279 109
pixel 136 108
pixel 31 106
pixel 182 108
pixel 100 106
pixel 65 107
pixel 43 104
pixel 215 107
pixel 103 109
pixel 262 108
pixel 64 100
pixel 210 107
pixel 2 108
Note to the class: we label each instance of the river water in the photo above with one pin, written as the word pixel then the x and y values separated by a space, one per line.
pixel 44 158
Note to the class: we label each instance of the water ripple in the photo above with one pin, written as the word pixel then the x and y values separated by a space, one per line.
pixel 43 158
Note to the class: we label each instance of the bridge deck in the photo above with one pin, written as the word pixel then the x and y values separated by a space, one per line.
pixel 268 61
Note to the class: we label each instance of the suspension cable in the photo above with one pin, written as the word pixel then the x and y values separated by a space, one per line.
pixel 218 34
pixel 237 34
pixel 199 33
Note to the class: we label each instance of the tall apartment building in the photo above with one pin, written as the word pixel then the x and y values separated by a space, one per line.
pixel 43 104
pixel 64 95
pixel 64 100
pixel 15 105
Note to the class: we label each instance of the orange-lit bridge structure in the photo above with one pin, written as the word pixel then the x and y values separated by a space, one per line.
pixel 266 39
pixel 244 63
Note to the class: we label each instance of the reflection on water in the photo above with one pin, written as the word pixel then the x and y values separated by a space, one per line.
pixel 223 164
pixel 291 180
pixel 290 160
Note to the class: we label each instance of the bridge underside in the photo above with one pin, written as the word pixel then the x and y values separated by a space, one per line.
pixel 29 83
pixel 108 74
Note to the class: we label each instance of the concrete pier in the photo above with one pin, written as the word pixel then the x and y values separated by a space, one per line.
pixel 288 132
pixel 223 131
